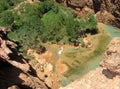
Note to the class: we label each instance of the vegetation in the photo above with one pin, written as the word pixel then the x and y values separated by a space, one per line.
pixel 8 4
pixel 6 18
pixel 46 21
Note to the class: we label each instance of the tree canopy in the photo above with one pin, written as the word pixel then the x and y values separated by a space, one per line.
pixel 45 21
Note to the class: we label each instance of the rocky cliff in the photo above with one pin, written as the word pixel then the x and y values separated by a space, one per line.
pixel 15 71
pixel 107 75
pixel 106 11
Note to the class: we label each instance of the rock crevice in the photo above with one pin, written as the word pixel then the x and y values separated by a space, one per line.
pixel 15 71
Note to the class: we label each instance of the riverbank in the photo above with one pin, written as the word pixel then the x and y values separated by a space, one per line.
pixel 81 60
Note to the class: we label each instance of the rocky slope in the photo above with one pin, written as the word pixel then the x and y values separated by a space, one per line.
pixel 15 71
pixel 107 75
pixel 106 11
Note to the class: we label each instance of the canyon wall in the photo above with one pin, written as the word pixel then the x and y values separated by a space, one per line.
pixel 15 71
pixel 106 11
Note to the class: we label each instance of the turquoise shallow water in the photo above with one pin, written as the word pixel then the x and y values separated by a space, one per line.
pixel 82 70
pixel 89 64
pixel 113 31
pixel 82 67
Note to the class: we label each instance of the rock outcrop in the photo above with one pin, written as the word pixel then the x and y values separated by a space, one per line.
pixel 107 75
pixel 15 71
pixel 106 11
pixel 47 67
pixel 112 57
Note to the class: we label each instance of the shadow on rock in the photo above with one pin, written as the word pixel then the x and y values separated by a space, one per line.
pixel 108 73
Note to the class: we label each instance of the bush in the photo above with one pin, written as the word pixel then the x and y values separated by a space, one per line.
pixel 7 4
pixel 6 18
pixel 92 24
pixel 26 28
pixel 52 24
pixel 45 6
pixel 3 6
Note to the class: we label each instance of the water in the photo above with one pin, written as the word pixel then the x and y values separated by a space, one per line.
pixel 81 69
pixel 92 61
pixel 113 31
pixel 81 65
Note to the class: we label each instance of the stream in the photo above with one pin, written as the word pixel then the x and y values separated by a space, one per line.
pixel 82 60
pixel 89 63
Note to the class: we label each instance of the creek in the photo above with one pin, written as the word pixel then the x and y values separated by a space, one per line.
pixel 82 60
pixel 82 65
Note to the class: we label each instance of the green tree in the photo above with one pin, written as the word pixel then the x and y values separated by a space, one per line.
pixel 6 18
pixel 52 24
pixel 7 4
pixel 3 5
pixel 92 23
pixel 45 6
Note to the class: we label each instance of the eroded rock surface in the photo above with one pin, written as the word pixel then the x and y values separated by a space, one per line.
pixel 107 75
pixel 14 68
pixel 112 56
pixel 106 11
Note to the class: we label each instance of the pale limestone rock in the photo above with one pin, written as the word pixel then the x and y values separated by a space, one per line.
pixel 112 56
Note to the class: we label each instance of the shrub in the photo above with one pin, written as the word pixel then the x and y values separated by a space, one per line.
pixel 92 24
pixel 6 18
pixel 7 4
